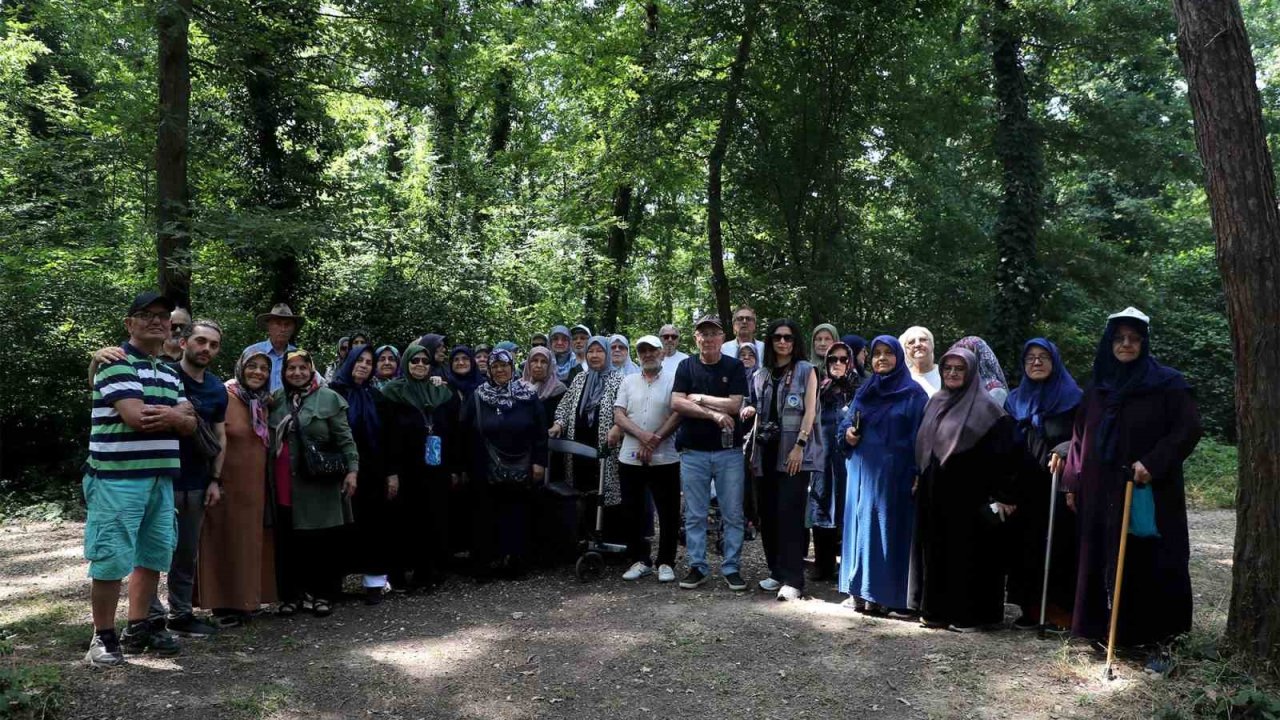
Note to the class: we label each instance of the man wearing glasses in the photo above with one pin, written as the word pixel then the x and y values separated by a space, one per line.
pixel 671 355
pixel 744 331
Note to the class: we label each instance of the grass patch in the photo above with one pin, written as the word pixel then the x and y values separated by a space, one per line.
pixel 1211 474
pixel 259 702
pixel 1209 684
pixel 45 624
pixel 30 693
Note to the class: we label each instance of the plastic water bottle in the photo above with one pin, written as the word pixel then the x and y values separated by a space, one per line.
pixel 726 437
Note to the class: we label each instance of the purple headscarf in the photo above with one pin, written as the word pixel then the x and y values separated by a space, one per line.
pixel 955 420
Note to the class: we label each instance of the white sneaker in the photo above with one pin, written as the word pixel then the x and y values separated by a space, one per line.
pixel 666 574
pixel 637 571
pixel 788 593
pixel 769 584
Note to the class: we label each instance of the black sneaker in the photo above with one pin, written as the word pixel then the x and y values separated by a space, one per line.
pixel 191 626
pixel 735 581
pixel 104 650
pixel 694 579
pixel 150 635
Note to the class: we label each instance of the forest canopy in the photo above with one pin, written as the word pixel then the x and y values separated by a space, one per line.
pixel 495 168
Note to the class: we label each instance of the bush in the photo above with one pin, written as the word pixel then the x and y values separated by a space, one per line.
pixel 30 692
pixel 1211 474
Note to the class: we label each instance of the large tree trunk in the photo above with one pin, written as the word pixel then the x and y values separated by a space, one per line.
pixel 1017 145
pixel 715 160
pixel 173 230
pixel 618 248
pixel 1240 180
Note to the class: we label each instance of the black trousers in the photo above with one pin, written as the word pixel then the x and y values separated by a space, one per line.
pixel 307 561
pixel 421 527
pixel 783 499
pixel 663 481
pixel 502 517
pixel 826 545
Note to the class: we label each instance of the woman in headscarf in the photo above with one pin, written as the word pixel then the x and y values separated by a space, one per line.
pixel 508 456
pixel 1137 419
pixel 990 376
pixel 827 489
pixel 1044 408
pixel 563 358
pixel 480 358
pixel 585 415
pixel 788 448
pixel 820 341
pixel 750 363
pixel 462 372
pixel 437 353
pixel 620 355
pixel 878 436
pixel 540 374
pixel 858 348
pixel 236 569
pixel 387 359
pixel 344 346
pixel 309 511
pixel 968 458
pixel 417 417
pixel 378 483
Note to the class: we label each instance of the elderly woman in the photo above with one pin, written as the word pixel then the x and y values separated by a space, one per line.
pixel 1137 420
pixel 236 570
pixel 508 456
pixel 968 459
pixel 586 415
pixel 480 358
pixel 747 355
pixel 1044 408
pixel 312 501
pixel 858 349
pixel 562 353
pixel 820 341
pixel 620 355
pixel 437 353
pixel 540 374
pixel 990 376
pixel 463 372
pixel 918 342
pixel 344 346
pixel 378 484
pixel 386 364
pixel 826 491
pixel 879 437
pixel 786 451
pixel 418 418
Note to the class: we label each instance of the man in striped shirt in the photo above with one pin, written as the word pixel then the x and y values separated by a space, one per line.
pixel 139 411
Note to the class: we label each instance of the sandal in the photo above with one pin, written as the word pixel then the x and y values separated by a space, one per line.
pixel 287 609
pixel 321 608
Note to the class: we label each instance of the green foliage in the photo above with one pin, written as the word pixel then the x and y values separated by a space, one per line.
pixel 1212 683
pixel 1211 474
pixel 31 693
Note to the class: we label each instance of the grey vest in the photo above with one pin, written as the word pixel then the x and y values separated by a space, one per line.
pixel 815 454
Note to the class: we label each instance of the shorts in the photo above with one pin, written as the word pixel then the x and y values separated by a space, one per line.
pixel 131 523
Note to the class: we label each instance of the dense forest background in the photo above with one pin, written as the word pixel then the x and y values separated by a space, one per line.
pixel 1006 168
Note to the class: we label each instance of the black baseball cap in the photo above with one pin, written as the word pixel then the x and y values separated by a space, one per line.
pixel 711 319
pixel 149 298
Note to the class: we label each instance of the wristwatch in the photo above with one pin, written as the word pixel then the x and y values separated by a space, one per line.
pixel 801 442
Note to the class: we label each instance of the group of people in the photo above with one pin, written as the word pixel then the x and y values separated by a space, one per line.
pixel 924 484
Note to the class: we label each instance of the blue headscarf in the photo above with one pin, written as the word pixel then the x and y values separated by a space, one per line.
pixel 564 363
pixel 1121 381
pixel 627 367
pixel 362 410
pixel 1034 400
pixel 880 393
pixel 856 344
pixel 470 381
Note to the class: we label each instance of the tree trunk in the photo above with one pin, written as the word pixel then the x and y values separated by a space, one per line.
pixel 1017 145
pixel 715 160
pixel 1221 84
pixel 619 247
pixel 173 228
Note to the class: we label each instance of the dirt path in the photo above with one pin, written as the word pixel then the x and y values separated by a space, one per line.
pixel 551 647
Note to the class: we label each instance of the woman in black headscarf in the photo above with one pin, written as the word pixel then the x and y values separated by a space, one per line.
pixel 1138 419
pixel 826 492
pixel 968 457
pixel 378 485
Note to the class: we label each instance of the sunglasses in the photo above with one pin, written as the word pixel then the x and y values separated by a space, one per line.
pixel 670 337
pixel 744 318
pixel 785 338
pixel 841 359
pixel 418 360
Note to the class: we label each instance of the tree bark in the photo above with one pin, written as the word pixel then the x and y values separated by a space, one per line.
pixel 173 228
pixel 618 248
pixel 1018 147
pixel 1240 180
pixel 715 160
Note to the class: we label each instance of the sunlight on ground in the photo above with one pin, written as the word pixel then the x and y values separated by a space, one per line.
pixel 431 658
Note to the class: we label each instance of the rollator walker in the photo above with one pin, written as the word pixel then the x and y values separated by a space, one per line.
pixel 590 564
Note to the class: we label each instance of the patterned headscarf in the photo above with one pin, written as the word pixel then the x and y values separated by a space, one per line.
pixel 988 365
pixel 256 400
pixel 550 387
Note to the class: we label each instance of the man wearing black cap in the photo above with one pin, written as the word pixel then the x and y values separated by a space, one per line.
pixel 139 411
pixel 708 391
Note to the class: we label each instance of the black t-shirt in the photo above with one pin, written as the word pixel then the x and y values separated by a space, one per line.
pixel 721 379
pixel 210 400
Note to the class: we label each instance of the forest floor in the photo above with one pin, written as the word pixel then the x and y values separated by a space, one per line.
pixel 551 647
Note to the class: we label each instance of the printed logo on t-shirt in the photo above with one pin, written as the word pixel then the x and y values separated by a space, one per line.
pixel 793 401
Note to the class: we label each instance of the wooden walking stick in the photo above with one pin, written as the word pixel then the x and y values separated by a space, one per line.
pixel 1115 601
pixel 1048 549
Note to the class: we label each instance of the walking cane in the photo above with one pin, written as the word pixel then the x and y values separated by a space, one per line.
pixel 1115 602
pixel 1048 549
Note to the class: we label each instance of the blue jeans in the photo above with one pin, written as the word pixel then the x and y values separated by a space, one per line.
pixel 698 469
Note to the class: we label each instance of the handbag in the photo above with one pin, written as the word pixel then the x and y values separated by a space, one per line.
pixel 504 471
pixel 1142 513
pixel 322 465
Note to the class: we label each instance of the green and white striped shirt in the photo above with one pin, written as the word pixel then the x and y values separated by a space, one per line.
pixel 117 451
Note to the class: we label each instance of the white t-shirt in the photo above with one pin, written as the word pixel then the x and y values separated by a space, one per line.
pixel 648 404
pixel 731 349
pixel 669 364
pixel 930 381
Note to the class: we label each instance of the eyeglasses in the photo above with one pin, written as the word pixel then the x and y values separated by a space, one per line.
pixel 145 316
pixel 1037 359
pixel 1126 339
pixel 784 338
pixel 953 370
pixel 670 337
pixel 417 360
pixel 841 359
pixel 744 318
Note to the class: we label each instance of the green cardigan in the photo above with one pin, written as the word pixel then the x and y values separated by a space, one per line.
pixel 323 419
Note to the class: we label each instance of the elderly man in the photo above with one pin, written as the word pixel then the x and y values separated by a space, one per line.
pixel 707 391
pixel 744 331
pixel 917 344
pixel 645 426
pixel 281 326
pixel 139 412
pixel 179 321
pixel 671 355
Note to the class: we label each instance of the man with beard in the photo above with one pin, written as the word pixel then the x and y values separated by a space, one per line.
pixel 917 342
pixel 179 321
